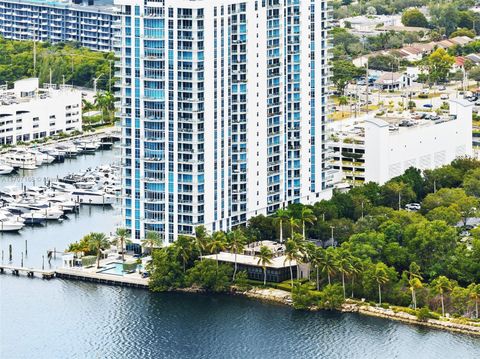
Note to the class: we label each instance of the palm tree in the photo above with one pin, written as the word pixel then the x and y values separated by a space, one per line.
pixel 152 239
pixel 291 254
pixel 343 101
pixel 344 266
pixel 307 251
pixel 217 244
pixel 235 242
pixel 381 277
pixel 264 257
pixel 293 223
pixel 281 216
pixel 307 216
pixel 414 281
pixel 96 242
pixel 474 294
pixel 441 285
pixel 105 102
pixel 356 266
pixel 184 247
pixel 201 239
pixel 328 262
pixel 316 262
pixel 122 234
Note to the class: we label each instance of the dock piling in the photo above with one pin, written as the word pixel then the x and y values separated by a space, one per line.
pixel 9 252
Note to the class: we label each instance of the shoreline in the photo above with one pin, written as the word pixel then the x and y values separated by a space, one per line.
pixel 283 297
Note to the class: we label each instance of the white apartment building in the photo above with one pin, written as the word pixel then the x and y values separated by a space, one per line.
pixel 28 112
pixel 223 106
pixel 378 149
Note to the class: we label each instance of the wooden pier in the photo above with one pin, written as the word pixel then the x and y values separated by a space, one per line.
pixel 30 272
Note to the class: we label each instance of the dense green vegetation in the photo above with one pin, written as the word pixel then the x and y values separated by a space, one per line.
pixel 446 16
pixel 383 254
pixel 79 66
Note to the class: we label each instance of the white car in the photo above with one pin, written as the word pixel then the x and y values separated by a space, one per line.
pixel 413 206
pixel 444 96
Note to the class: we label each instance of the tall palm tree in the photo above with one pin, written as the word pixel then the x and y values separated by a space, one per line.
pixel 307 216
pixel 414 281
pixel 236 241
pixel 152 239
pixel 281 216
pixel 328 262
pixel 441 285
pixel 293 223
pixel 356 266
pixel 344 266
pixel 316 262
pixel 122 234
pixel 291 254
pixel 184 246
pixel 96 242
pixel 307 252
pixel 201 239
pixel 381 277
pixel 217 244
pixel 474 294
pixel 264 258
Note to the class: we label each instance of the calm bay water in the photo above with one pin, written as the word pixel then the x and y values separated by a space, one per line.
pixel 67 319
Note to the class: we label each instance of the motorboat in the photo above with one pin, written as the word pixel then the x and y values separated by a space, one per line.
pixel 41 158
pixel 20 159
pixel 10 226
pixel 5 169
pixel 92 196
pixel 11 194
pixel 62 186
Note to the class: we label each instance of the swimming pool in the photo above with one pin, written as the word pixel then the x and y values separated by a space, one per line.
pixel 114 268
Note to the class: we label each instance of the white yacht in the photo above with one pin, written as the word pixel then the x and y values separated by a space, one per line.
pixel 11 194
pixel 41 158
pixel 92 196
pixel 21 159
pixel 5 169
pixel 10 226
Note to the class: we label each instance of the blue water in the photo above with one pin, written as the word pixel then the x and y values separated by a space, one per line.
pixel 68 319
pixel 113 268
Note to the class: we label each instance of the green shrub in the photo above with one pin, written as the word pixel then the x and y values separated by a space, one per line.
pixel 424 314
pixel 241 281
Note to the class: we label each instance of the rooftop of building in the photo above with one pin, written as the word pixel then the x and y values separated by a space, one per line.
pixel 250 255
pixel 353 131
pixel 25 90
pixel 98 5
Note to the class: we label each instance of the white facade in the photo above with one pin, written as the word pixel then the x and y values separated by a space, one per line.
pixel 376 150
pixel 224 110
pixel 28 113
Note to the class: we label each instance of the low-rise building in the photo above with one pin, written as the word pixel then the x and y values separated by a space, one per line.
pixel 28 112
pixel 277 270
pixel 392 81
pixel 376 149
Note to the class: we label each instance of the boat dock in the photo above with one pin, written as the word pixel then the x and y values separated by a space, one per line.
pixel 74 274
pixel 30 272
pixel 94 277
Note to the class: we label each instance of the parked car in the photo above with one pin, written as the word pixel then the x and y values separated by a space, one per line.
pixel 428 105
pixel 444 96
pixel 413 206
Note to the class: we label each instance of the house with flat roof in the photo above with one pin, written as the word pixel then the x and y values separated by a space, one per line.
pixel 278 270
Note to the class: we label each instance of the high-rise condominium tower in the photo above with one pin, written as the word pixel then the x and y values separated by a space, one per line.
pixel 223 106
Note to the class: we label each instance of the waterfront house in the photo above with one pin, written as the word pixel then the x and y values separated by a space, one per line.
pixel 277 271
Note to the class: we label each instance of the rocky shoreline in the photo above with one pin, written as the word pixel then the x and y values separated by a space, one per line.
pixel 284 297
